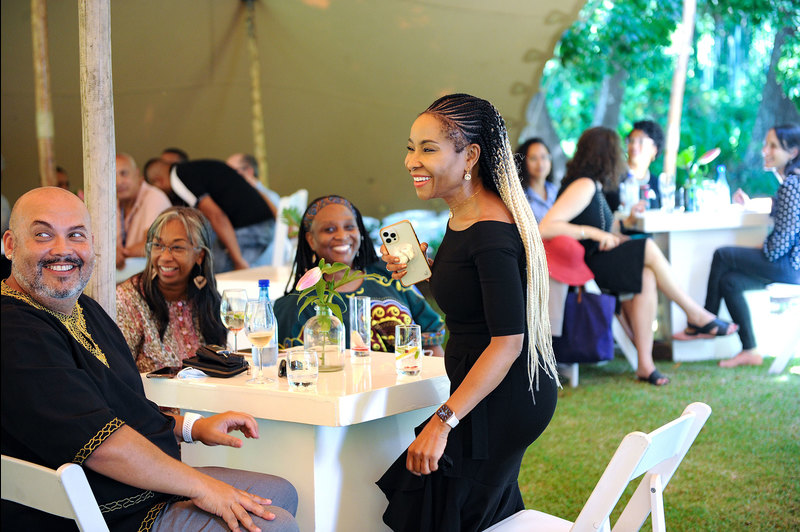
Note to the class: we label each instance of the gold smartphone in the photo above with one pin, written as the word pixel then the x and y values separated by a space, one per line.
pixel 401 241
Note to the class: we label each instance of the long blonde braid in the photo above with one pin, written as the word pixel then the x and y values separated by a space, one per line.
pixel 472 120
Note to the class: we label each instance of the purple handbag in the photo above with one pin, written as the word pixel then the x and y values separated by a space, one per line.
pixel 587 335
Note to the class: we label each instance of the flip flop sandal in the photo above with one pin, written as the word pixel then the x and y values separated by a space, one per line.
pixel 705 331
pixel 654 377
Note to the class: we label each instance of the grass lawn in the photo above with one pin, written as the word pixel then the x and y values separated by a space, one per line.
pixel 742 473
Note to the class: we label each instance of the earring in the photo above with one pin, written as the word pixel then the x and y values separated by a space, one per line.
pixel 467 176
pixel 200 282
pixel 154 274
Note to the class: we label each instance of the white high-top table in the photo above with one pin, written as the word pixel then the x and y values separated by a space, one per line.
pixel 332 443
pixel 688 240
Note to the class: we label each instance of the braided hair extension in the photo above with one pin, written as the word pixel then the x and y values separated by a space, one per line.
pixel 305 258
pixel 206 300
pixel 470 120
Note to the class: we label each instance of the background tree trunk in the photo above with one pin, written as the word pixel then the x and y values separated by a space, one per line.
pixel 775 108
pixel 609 101
pixel 539 124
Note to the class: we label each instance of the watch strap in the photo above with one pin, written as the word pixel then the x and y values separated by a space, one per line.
pixel 447 415
pixel 188 422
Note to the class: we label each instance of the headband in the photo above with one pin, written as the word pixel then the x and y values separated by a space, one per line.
pixel 320 204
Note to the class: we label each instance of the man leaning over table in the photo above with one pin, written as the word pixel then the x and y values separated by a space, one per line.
pixel 71 393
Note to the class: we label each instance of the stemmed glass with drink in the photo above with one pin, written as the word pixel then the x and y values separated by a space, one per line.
pixel 259 326
pixel 231 311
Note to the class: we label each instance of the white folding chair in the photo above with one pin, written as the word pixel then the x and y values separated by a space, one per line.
pixel 64 491
pixel 656 456
pixel 282 251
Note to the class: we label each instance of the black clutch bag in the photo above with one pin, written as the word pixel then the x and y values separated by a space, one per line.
pixel 216 361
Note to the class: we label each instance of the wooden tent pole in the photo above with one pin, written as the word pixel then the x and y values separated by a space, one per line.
pixel 97 119
pixel 259 142
pixel 683 41
pixel 44 108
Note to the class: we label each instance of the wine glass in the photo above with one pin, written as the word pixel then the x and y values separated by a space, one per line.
pixel 231 310
pixel 259 326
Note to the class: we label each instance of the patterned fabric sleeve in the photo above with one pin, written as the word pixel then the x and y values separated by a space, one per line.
pixel 129 318
pixel 786 213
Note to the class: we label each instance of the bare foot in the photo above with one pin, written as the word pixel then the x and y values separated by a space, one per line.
pixel 745 358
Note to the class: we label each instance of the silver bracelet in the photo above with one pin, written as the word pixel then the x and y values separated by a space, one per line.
pixel 188 422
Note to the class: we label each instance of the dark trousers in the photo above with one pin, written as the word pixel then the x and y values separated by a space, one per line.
pixel 734 270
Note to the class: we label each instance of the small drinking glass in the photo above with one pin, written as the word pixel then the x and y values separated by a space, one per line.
pixel 260 328
pixel 666 184
pixel 360 325
pixel 302 368
pixel 231 311
pixel 407 349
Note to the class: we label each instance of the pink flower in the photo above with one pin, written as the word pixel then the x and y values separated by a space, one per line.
pixel 310 278
pixel 709 156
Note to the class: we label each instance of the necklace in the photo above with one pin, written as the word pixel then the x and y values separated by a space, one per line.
pixel 459 204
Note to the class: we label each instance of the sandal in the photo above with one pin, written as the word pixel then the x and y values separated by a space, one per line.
pixel 723 328
pixel 654 377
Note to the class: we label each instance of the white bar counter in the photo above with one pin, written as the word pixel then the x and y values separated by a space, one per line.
pixel 332 443
pixel 688 240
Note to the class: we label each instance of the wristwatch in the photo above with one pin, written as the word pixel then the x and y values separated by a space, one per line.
pixel 447 416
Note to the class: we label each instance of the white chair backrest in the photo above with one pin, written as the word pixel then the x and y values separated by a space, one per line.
pixel 64 492
pixel 281 248
pixel 656 456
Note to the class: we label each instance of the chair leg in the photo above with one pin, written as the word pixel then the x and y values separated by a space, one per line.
pixel 789 350
pixel 570 371
pixel 625 344
pixel 657 504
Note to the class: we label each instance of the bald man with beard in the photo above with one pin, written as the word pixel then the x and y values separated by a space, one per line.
pixel 71 393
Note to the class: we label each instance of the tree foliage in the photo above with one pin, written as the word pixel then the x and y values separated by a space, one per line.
pixel 726 74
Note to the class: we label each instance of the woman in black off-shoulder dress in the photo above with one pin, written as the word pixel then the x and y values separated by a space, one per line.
pixel 490 279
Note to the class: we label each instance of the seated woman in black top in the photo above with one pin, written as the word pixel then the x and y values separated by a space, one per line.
pixel 620 264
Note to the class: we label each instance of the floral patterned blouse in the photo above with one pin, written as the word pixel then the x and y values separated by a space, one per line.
pixel 134 317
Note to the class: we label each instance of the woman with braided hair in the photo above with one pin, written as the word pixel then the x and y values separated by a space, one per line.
pixel 490 278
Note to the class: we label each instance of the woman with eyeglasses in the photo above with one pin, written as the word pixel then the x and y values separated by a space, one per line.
pixel 172 307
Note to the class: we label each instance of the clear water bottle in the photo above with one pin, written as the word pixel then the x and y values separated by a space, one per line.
pixel 723 188
pixel 269 353
pixel 690 201
pixel 628 194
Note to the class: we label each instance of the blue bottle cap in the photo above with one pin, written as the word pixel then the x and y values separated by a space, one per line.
pixel 263 283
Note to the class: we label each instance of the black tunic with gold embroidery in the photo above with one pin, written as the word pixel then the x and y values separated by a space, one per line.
pixel 68 382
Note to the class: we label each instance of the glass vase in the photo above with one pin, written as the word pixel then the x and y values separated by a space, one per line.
pixel 324 333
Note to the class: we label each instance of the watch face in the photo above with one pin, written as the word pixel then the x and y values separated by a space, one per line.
pixel 444 413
